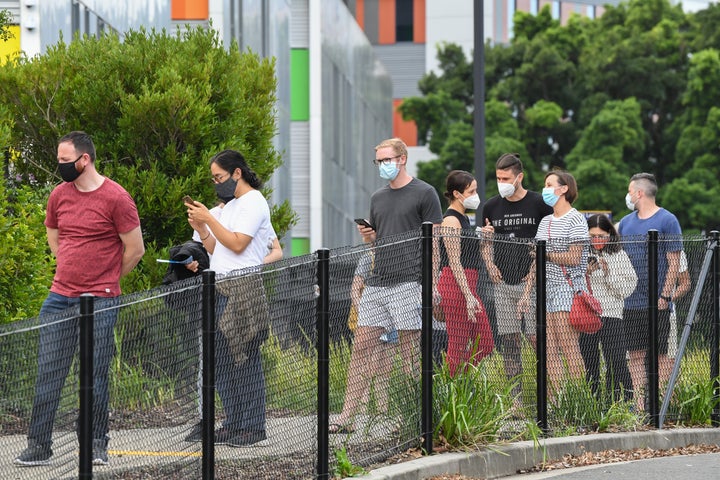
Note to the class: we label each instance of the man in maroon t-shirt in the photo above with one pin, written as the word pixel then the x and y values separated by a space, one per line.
pixel 93 230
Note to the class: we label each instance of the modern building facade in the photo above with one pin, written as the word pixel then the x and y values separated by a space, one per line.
pixel 334 96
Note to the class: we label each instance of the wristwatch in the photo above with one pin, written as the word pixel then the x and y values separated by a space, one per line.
pixel 667 299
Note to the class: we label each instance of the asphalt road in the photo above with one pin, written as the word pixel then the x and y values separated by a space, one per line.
pixel 681 467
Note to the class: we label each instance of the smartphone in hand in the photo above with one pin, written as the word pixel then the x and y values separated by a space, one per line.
pixel 364 223
pixel 188 199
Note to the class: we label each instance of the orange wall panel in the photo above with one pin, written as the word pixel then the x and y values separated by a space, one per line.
pixel 403 129
pixel 419 21
pixel 360 13
pixel 386 22
pixel 189 10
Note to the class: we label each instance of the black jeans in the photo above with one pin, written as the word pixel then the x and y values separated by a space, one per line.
pixel 614 348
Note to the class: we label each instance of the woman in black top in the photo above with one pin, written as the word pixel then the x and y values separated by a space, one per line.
pixel 469 335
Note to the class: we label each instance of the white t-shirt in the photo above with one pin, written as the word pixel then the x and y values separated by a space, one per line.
pixel 215 212
pixel 249 215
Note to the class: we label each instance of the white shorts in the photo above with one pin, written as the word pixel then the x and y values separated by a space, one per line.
pixel 506 299
pixel 393 308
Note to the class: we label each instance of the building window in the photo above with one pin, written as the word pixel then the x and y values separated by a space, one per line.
pixel 75 17
pixel 404 20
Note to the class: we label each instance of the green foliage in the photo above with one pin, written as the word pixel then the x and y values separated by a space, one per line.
pixel 131 388
pixel 693 398
pixel 631 91
pixel 5 33
pixel 27 268
pixel 158 107
pixel 344 467
pixel 469 408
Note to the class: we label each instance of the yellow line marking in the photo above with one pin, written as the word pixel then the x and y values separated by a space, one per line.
pixel 140 453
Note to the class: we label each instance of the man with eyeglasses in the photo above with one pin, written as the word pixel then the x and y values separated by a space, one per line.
pixel 391 298
pixel 509 222
pixel 647 215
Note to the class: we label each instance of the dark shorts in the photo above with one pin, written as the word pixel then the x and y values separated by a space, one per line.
pixel 636 329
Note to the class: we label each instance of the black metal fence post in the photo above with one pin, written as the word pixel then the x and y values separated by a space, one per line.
pixel 323 349
pixel 651 357
pixel 426 338
pixel 715 347
pixel 541 334
pixel 208 375
pixel 85 418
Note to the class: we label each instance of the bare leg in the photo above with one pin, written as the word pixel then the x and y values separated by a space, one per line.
pixel 554 360
pixel 665 366
pixel 637 373
pixel 410 352
pixel 384 359
pixel 360 371
pixel 570 345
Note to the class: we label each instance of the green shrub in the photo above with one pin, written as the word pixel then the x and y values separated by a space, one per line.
pixel 158 106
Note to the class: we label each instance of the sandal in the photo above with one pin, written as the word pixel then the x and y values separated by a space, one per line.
pixel 336 428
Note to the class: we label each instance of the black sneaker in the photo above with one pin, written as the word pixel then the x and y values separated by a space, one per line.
pixel 195 434
pixel 238 438
pixel 100 455
pixel 35 454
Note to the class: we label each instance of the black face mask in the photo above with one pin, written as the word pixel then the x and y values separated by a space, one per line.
pixel 68 171
pixel 226 190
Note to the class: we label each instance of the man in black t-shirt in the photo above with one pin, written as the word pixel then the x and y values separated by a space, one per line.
pixel 510 221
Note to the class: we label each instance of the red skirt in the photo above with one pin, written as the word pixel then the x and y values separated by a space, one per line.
pixel 468 341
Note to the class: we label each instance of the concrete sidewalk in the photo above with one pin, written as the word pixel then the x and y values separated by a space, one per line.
pixel 145 449
pixel 500 461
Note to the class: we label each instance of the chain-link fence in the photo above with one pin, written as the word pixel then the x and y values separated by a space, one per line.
pixel 485 317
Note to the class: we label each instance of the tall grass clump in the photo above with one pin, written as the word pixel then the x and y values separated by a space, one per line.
pixel 469 408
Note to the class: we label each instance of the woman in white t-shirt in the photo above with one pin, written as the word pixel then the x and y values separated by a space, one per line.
pixel 238 240
pixel 566 233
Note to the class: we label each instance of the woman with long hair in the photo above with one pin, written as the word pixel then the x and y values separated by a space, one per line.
pixel 238 239
pixel 468 328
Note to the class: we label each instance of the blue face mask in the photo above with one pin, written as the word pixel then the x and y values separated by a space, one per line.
pixel 389 171
pixel 549 197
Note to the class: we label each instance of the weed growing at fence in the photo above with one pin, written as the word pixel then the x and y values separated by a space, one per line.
pixel 344 467
pixel 470 409
pixel 692 399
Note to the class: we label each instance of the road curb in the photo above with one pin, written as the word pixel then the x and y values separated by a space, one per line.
pixel 502 460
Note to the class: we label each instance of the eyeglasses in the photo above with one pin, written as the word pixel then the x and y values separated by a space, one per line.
pixel 602 236
pixel 219 178
pixel 385 161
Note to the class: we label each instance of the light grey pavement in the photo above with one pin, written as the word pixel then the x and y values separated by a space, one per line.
pixel 506 460
pixel 142 449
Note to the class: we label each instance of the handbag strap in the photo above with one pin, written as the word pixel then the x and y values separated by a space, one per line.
pixel 565 272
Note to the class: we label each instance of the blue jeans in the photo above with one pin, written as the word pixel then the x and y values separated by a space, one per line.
pixel 241 387
pixel 58 343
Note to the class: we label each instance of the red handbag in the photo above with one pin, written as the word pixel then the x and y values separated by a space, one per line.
pixel 585 311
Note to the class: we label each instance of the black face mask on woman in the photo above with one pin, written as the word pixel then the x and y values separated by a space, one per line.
pixel 226 190
pixel 68 170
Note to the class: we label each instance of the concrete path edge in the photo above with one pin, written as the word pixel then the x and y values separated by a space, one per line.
pixel 503 460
